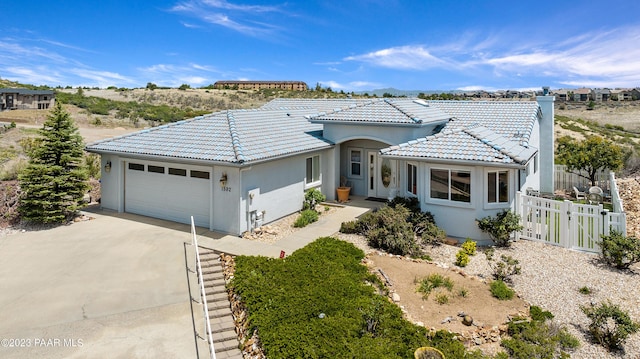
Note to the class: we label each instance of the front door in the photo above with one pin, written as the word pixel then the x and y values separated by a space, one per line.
pixel 381 176
pixel 9 101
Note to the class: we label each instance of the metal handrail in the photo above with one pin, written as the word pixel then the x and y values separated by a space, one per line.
pixel 203 295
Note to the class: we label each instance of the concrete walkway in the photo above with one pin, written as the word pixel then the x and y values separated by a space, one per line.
pixel 325 226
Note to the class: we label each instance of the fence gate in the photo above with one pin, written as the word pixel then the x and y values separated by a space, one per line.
pixel 566 224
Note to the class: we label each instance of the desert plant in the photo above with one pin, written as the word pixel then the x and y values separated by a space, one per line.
pixel 469 247
pixel 463 292
pixel 429 233
pixel 585 290
pixel 349 227
pixel 610 326
pixel 620 251
pixel 500 290
pixel 442 298
pixel 307 217
pixel 462 258
pixel 501 227
pixel 505 268
pixel 433 281
pixel 311 198
pixel 389 230
pixel 537 338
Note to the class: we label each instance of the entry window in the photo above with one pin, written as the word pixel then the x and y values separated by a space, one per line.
pixel 355 160
pixel 412 179
pixel 498 187
pixel 177 171
pixel 155 169
pixel 452 185
pixel 313 169
pixel 136 166
pixel 200 174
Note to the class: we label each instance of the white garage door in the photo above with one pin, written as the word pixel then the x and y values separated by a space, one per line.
pixel 171 192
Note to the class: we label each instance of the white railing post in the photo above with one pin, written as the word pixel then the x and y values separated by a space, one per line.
pixel 203 295
pixel 520 212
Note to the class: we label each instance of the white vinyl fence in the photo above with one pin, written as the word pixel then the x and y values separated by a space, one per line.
pixel 566 224
pixel 565 180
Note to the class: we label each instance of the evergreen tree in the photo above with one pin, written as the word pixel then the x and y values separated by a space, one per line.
pixel 55 181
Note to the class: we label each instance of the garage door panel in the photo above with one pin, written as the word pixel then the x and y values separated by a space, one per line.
pixel 170 197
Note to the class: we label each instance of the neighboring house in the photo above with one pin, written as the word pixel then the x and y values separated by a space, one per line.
pixel 258 85
pixel 622 94
pixel 235 170
pixel 23 99
pixel 561 94
pixel 600 95
pixel 581 94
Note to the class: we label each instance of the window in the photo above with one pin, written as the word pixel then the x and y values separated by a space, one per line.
pixel 452 185
pixel 412 179
pixel 199 174
pixel 355 159
pixel 177 171
pixel 136 166
pixel 313 169
pixel 155 169
pixel 498 187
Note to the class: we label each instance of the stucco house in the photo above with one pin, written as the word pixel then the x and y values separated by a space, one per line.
pixel 235 170
pixel 22 99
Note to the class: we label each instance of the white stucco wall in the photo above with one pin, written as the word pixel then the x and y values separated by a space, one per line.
pixel 280 185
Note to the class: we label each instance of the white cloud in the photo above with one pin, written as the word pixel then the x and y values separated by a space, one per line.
pixel 401 57
pixel 241 18
pixel 102 78
pixel 33 75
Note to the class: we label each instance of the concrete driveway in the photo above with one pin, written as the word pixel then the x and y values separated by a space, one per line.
pixel 114 286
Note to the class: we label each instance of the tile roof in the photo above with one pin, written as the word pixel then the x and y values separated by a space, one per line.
pixel 402 111
pixel 488 131
pixel 473 143
pixel 512 119
pixel 234 137
pixel 23 91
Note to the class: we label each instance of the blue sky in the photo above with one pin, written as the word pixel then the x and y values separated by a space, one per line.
pixel 354 45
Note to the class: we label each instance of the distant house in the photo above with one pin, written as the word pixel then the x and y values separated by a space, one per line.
pixel 235 170
pixel 581 94
pixel 259 85
pixel 561 94
pixel 622 95
pixel 23 99
pixel 601 95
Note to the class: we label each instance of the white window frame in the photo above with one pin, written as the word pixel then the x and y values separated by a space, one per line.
pixel 311 182
pixel 351 174
pixel 448 201
pixel 497 202
pixel 412 180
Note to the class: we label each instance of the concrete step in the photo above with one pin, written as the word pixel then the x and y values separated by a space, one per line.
pixel 213 281
pixel 222 324
pixel 217 297
pixel 215 269
pixel 223 346
pixel 220 312
pixel 215 305
pixel 230 354
pixel 215 290
pixel 223 336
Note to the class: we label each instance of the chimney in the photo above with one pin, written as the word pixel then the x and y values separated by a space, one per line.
pixel 547 138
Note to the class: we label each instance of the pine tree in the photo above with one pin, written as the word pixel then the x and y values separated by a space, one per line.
pixel 55 181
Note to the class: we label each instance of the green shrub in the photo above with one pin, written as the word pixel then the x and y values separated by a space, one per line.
pixel 429 233
pixel 389 230
pixel 462 258
pixel 610 326
pixel 585 290
pixel 500 227
pixel 505 268
pixel 350 227
pixel 469 247
pixel 463 292
pixel 442 298
pixel 312 198
pixel 285 297
pixel 500 290
pixel 433 281
pixel 307 217
pixel 537 338
pixel 620 251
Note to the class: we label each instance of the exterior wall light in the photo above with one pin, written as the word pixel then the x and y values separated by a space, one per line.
pixel 107 167
pixel 223 180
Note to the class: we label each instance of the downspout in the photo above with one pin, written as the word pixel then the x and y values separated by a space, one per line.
pixel 242 193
